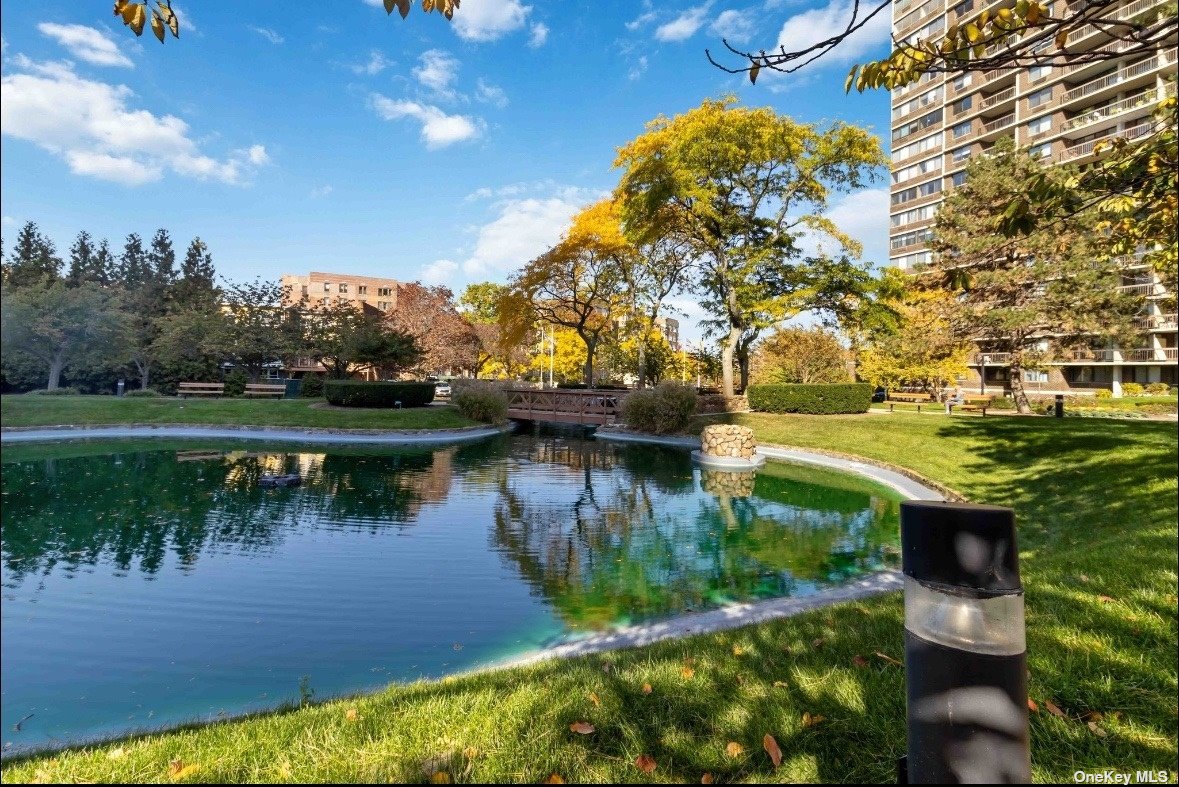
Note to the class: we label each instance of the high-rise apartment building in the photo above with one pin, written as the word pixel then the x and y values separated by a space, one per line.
pixel 942 121
pixel 318 289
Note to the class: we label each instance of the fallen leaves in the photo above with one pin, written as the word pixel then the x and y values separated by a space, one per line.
pixel 687 672
pixel 810 721
pixel 647 688
pixel 645 763
pixel 178 770
pixel 594 699
pixel 554 778
pixel 734 749
pixel 1032 706
pixel 352 714
pixel 1052 708
pixel 860 661
pixel 772 749
pixel 738 650
pixel 440 777
pixel 1105 599
pixel 706 778
pixel 582 727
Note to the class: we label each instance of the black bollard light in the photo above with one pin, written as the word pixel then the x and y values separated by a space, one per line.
pixel 1059 407
pixel 965 653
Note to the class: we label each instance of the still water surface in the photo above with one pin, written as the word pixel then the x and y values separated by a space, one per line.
pixel 145 584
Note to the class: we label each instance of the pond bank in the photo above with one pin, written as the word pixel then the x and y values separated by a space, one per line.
pixel 287 434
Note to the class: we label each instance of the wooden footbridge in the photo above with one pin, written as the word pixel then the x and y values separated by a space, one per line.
pixel 565 406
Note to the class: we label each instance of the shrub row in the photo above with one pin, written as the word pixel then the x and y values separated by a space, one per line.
pixel 825 399
pixel 312 387
pixel 664 409
pixel 482 402
pixel 358 393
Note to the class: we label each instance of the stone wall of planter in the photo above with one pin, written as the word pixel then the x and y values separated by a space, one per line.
pixel 725 483
pixel 735 442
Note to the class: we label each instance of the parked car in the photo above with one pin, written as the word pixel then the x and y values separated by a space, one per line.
pixel 442 389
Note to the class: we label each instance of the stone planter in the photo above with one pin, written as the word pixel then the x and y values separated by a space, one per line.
pixel 728 447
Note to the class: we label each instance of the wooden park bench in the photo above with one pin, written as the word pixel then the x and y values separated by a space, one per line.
pixel 909 398
pixel 265 389
pixel 200 389
pixel 976 403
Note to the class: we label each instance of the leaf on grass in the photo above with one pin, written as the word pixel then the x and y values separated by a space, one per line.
pixel 440 777
pixel 771 747
pixel 554 778
pixel 594 699
pixel 1105 599
pixel 178 770
pixel 888 658
pixel 1032 706
pixel 1093 715
pixel 1093 728
pixel 687 672
pixel 818 643
pixel 470 752
pixel 810 721
pixel 351 714
pixel 582 727
pixel 738 650
pixel 860 661
pixel 706 778
pixel 115 754
pixel 645 763
pixel 734 749
pixel 1052 708
pixel 647 688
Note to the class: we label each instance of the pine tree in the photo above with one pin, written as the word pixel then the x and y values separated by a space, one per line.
pixel 134 268
pixel 81 259
pixel 34 259
pixel 162 258
pixel 104 264
pixel 196 288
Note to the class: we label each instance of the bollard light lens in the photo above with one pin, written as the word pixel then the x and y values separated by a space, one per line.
pixel 981 625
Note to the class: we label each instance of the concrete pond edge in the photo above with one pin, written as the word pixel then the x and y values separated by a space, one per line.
pixel 32 434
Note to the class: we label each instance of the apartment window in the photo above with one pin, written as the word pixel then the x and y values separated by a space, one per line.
pixel 304 290
pixel 912 260
pixel 912 127
pixel 917 170
pixel 962 104
pixel 384 291
pixel 1042 96
pixel 918 147
pixel 362 289
pixel 963 8
pixel 1042 151
pixel 327 286
pixel 1032 376
pixel 924 213
pixel 1041 125
pixel 961 154
pixel 962 129
pixel 958 178
pixel 911 238
pixel 1037 73
pixel 343 287
pixel 384 305
pixel 917 192
pixel 962 82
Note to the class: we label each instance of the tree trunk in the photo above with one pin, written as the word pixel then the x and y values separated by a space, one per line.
pixel 1017 390
pixel 55 367
pixel 590 346
pixel 144 374
pixel 727 354
pixel 642 363
pixel 743 364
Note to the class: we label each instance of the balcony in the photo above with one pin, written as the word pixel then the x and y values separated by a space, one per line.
pixel 998 98
pixel 999 123
pixel 1149 289
pixel 990 359
pixel 1093 116
pixel 1151 354
pixel 1160 322
pixel 1124 14
pixel 1086 148
pixel 1116 78
pixel 1099 356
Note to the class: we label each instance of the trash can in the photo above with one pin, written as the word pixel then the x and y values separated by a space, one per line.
pixel 294 388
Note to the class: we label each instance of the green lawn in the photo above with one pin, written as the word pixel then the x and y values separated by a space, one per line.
pixel 79 410
pixel 1096 504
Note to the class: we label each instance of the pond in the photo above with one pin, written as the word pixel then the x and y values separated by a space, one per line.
pixel 147 583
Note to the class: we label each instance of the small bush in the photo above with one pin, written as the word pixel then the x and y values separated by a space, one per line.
pixel 1133 389
pixel 1102 393
pixel 142 393
pixel 819 399
pixel 358 393
pixel 64 391
pixel 664 409
pixel 485 403
pixel 235 383
pixel 312 387
pixel 1157 389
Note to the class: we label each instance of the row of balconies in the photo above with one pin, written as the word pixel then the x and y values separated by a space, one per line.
pixel 1133 355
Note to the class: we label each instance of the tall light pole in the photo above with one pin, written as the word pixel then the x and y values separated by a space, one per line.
pixel 552 352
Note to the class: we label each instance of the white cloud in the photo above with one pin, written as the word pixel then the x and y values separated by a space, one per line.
pixel 438 129
pixel 376 63
pixel 437 70
pixel 642 20
pixel 8 220
pixel 864 216
pixel 86 43
pixel 256 155
pixel 683 26
pixel 540 34
pixel 438 272
pixel 321 191
pixel 490 94
pixel 91 127
pixel 268 34
pixel 489 20
pixel 637 69
pixel 733 25
pixel 819 24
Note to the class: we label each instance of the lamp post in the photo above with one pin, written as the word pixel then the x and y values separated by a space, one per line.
pixel 552 352
pixel 965 652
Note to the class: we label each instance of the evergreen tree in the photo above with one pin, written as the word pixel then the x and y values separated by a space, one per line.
pixel 81 259
pixel 134 268
pixel 196 288
pixel 34 259
pixel 162 258
pixel 104 264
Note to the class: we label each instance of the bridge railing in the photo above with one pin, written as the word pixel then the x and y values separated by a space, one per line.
pixel 565 405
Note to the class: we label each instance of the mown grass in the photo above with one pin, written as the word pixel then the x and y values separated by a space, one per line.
pixel 94 410
pixel 1096 505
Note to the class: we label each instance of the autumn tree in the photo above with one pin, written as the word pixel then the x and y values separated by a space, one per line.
pixel 743 187
pixel 800 355
pixel 920 348
pixel 428 314
pixel 255 328
pixel 579 284
pixel 497 352
pixel 1051 289
pixel 346 338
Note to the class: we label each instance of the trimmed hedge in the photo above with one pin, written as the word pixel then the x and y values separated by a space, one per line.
pixel 358 393
pixel 312 387
pixel 824 399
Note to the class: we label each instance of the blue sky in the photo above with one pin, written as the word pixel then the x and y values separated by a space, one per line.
pixel 328 136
